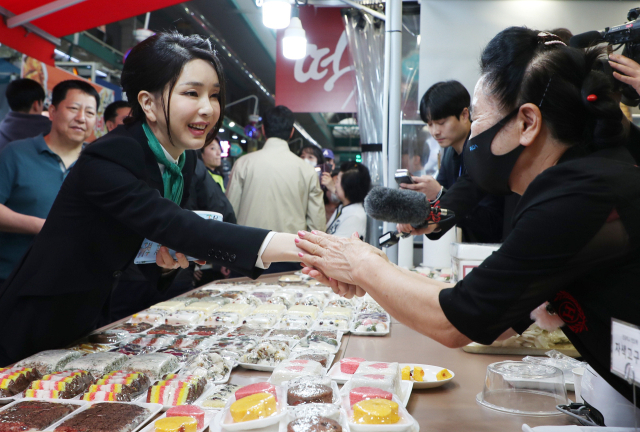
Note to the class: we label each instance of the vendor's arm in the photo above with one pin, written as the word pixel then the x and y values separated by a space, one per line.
pixel 411 299
pixel 116 186
pixel 559 236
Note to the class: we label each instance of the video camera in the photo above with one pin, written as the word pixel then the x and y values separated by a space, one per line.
pixel 627 34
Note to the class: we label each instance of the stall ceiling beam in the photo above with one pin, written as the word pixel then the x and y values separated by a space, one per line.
pixel 40 12
pixel 31 28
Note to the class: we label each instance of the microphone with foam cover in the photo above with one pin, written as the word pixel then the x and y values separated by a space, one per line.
pixel 397 205
pixel 586 39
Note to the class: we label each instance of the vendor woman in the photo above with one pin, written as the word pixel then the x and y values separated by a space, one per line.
pixel 128 186
pixel 548 127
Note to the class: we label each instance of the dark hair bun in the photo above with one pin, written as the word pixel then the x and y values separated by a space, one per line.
pixel 526 66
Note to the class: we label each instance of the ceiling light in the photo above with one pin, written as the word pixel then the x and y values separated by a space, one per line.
pixel 294 43
pixel 243 141
pixel 232 124
pixel 234 136
pixel 276 14
pixel 221 130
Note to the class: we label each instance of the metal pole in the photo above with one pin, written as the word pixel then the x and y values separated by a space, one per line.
pixel 39 12
pixel 146 21
pixel 394 34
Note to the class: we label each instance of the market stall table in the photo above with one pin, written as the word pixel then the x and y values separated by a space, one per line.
pixel 450 407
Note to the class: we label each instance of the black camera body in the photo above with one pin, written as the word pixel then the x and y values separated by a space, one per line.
pixel 627 34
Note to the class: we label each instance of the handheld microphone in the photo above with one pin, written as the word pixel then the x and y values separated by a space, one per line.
pixel 587 39
pixel 402 206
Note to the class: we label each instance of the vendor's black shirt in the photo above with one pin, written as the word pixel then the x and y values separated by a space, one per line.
pixel 574 243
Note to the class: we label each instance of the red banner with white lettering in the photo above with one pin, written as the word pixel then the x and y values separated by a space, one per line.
pixel 323 81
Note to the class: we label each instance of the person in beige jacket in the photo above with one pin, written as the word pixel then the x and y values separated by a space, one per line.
pixel 273 188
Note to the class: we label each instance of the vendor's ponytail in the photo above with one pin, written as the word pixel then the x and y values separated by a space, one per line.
pixel 605 128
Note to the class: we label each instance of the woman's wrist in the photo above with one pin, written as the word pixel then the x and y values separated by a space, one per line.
pixel 281 248
pixel 367 266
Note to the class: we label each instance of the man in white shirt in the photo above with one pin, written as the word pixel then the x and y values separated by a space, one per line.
pixel 273 188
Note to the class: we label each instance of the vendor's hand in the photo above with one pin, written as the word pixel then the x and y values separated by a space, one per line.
pixel 225 271
pixel 327 181
pixel 340 288
pixel 628 71
pixel 166 261
pixel 424 184
pixel 407 228
pixel 335 257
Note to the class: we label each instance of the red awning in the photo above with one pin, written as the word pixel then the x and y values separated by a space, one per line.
pixel 83 15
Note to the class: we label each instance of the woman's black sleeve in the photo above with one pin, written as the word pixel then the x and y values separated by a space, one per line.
pixel 117 188
pixel 544 253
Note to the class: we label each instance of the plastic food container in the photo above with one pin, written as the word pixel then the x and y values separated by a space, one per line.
pixel 523 388
pixel 467 256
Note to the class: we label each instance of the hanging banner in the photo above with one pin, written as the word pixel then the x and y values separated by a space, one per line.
pixel 48 76
pixel 324 80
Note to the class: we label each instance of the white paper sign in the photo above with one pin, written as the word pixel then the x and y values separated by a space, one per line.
pixel 149 249
pixel 625 350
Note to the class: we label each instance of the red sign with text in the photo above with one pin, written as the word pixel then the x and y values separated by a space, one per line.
pixel 323 81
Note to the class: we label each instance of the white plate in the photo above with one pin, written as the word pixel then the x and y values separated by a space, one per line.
pixel 227 424
pixel 7 400
pixel 407 422
pixel 262 368
pixel 365 333
pixel 430 372
pixel 208 418
pixel 153 408
pixel 81 404
pixel 337 376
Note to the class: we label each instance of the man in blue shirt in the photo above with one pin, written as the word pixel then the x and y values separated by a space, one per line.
pixel 25 120
pixel 32 170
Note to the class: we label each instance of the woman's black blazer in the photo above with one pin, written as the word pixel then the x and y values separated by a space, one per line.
pixel 110 201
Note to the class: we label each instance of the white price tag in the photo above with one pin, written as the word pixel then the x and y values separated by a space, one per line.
pixel 625 350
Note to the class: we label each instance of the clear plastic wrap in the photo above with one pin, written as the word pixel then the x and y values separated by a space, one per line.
pixel 149 316
pixel 210 365
pixel 290 369
pixel 49 361
pixel 218 397
pixel 267 353
pixel 34 415
pixel 60 385
pixel 169 329
pixel 185 318
pixel 134 328
pixel 204 330
pixel 153 365
pixel 111 416
pixel 98 364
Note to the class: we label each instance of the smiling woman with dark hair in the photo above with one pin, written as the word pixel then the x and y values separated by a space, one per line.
pixel 125 187
pixel 546 125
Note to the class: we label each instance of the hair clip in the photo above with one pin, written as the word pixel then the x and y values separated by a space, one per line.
pixel 592 98
pixel 550 39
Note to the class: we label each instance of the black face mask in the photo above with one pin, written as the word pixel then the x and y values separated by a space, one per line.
pixel 487 170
